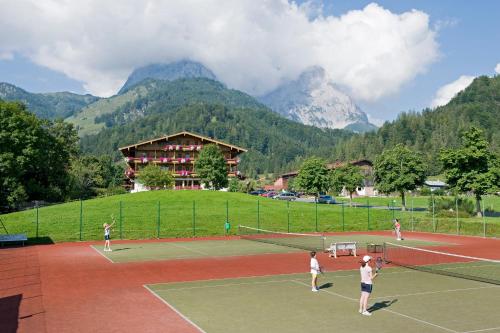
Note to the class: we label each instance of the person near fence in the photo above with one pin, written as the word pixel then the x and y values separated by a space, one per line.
pixel 107 234
pixel 315 270
pixel 397 229
pixel 367 277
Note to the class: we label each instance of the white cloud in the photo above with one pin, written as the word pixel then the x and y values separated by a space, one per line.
pixel 252 45
pixel 497 68
pixel 448 91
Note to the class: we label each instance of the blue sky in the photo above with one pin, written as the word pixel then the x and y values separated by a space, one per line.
pixel 468 34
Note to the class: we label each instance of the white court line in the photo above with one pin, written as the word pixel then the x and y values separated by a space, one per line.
pixel 189 249
pixel 436 292
pixel 102 254
pixel 483 330
pixel 175 310
pixel 223 285
pixel 390 311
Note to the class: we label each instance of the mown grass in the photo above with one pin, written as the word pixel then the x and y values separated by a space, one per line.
pixel 203 213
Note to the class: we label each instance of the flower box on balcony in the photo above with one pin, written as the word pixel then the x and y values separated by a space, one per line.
pixel 145 160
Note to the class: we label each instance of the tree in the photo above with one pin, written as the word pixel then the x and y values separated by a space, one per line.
pixel 399 170
pixel 348 177
pixel 472 167
pixel 211 167
pixel 154 177
pixel 35 156
pixel 313 176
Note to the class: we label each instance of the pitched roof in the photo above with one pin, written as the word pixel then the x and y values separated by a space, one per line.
pixel 166 137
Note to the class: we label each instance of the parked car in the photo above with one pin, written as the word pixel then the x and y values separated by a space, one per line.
pixel 257 192
pixel 285 196
pixel 269 194
pixel 326 199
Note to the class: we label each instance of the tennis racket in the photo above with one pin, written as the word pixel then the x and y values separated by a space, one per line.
pixel 379 263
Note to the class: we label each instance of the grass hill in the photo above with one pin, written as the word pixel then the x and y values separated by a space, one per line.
pixel 48 105
pixel 201 213
pixel 431 130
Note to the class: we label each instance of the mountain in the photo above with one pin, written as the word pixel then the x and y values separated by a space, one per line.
pixel 156 96
pixel 47 105
pixel 314 100
pixel 183 69
pixel 431 130
pixel 207 107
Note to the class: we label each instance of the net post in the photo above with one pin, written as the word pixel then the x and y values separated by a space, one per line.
pixel 81 218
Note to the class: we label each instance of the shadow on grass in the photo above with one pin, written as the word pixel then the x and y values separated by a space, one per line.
pixel 326 285
pixel 122 249
pixel 381 305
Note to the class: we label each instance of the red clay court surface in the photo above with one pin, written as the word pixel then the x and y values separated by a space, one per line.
pixel 70 287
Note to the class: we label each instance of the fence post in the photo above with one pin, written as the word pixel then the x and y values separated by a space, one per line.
pixel 456 210
pixel 316 204
pixel 37 220
pixel 368 207
pixel 158 222
pixel 288 214
pixel 258 216
pixel 393 209
pixel 81 218
pixel 343 217
pixel 121 221
pixel 433 214
pixel 484 222
pixel 412 223
pixel 227 210
pixel 194 218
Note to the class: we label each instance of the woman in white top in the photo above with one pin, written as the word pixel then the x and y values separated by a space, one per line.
pixel 107 236
pixel 367 277
pixel 315 270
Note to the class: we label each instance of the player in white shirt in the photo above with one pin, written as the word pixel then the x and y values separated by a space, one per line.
pixel 315 270
pixel 367 277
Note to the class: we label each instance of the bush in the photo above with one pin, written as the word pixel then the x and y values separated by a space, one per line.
pixel 446 207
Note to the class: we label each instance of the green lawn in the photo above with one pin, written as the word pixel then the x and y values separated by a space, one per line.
pixel 402 301
pixel 202 213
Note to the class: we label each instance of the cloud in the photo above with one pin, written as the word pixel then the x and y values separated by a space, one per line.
pixel 251 45
pixel 448 91
pixel 497 68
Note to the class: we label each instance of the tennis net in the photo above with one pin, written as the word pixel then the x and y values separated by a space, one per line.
pixel 310 242
pixel 466 267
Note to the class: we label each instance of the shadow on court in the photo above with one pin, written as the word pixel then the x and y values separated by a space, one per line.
pixel 381 305
pixel 326 285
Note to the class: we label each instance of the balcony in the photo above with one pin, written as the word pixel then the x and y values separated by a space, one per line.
pixel 232 160
pixel 183 148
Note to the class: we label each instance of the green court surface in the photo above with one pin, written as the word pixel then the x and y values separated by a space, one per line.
pixel 402 301
pixel 130 252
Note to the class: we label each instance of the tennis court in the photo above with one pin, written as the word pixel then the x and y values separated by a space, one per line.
pixel 171 250
pixel 403 300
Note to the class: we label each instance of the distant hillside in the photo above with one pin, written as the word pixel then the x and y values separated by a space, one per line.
pixel 48 105
pixel 183 69
pixel 156 96
pixel 206 107
pixel 431 130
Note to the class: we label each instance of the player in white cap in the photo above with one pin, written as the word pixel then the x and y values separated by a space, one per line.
pixel 367 277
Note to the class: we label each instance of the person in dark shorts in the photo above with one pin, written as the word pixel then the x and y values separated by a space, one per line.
pixel 367 277
pixel 107 234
